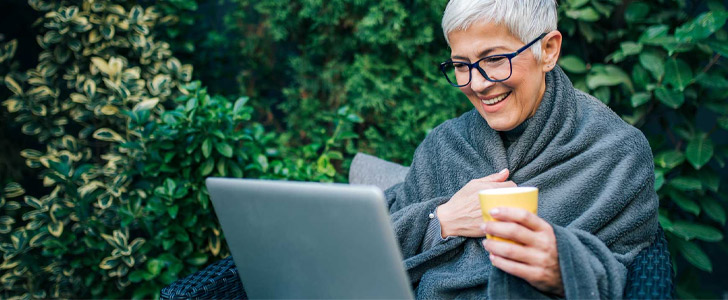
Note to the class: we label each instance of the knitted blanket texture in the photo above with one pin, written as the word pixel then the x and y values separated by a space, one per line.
pixel 596 188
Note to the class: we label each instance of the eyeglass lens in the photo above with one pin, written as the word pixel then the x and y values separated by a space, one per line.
pixel 496 68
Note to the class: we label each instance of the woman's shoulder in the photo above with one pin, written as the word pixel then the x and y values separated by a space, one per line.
pixel 601 122
pixel 453 129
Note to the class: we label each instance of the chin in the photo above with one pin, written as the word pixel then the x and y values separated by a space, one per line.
pixel 497 124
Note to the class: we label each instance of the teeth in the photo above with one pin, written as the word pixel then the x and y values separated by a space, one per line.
pixel 495 100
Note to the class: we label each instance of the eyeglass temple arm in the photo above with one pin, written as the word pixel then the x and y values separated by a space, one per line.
pixel 530 44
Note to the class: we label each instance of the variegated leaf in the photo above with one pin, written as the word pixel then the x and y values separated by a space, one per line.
pixel 13 85
pixel 55 229
pixel 109 263
pixel 108 135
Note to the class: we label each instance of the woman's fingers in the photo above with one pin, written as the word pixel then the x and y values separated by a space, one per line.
pixel 496 177
pixel 512 231
pixel 520 216
pixel 515 268
pixel 514 252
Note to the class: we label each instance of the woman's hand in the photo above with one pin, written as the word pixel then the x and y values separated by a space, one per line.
pixel 461 215
pixel 535 259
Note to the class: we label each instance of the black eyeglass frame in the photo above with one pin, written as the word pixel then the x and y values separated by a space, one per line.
pixel 476 64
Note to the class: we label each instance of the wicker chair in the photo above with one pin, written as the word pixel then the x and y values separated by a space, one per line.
pixel 650 274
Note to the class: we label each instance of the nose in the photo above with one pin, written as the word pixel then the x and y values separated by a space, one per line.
pixel 478 83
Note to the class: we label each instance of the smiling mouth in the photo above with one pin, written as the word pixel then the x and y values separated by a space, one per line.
pixel 495 100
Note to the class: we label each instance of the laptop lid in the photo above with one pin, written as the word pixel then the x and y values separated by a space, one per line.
pixel 310 240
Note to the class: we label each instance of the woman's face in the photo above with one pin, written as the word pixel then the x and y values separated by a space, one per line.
pixel 522 91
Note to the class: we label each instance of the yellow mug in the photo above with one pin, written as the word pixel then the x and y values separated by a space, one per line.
pixel 520 197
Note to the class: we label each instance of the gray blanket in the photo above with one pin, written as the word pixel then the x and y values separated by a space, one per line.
pixel 595 178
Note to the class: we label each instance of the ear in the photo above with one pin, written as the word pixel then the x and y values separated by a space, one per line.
pixel 550 50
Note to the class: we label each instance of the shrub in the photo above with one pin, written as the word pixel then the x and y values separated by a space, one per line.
pixel 98 61
pixel 662 70
pixel 124 162
pixel 9 158
pixel 660 65
pixel 129 140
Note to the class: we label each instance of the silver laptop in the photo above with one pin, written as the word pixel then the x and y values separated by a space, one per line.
pixel 310 240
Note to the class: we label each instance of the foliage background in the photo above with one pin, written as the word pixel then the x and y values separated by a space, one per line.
pixel 102 173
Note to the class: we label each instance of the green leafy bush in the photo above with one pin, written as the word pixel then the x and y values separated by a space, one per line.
pixel 129 141
pixel 129 138
pixel 9 158
pixel 659 64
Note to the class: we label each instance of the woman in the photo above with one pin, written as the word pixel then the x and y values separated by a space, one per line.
pixel 530 126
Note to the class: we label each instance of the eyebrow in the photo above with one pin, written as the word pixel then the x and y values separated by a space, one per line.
pixel 483 53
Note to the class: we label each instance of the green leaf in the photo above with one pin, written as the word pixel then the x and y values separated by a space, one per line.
pixel 13 190
pixel 224 149
pixel 702 26
pixel 653 63
pixel 172 211
pixel 638 99
pixel 695 256
pixel 587 14
pixel 713 209
pixel 659 179
pixel 33 202
pixel 206 147
pixel 154 266
pixel 236 171
pixel 686 184
pixel 169 186
pixel 631 48
pixel 699 151
pixel 664 221
pixel 577 3
pixel 721 47
pixel 207 167
pixel 218 134
pixel 31 128
pixel 239 105
pixel 654 35
pixel 13 86
pixel 108 135
pixel 573 64
pixel 603 93
pixel 191 104
pixel 109 263
pixel 684 203
pixel 636 11
pixel 221 167
pixel 709 179
pixel 677 73
pixel 691 230
pixel 262 161
pixel 672 99
pixel 669 159
pixel 324 166
pixel 640 77
pixel 128 260
pixel 148 104
pixel 608 75
pixel 712 81
pixel 196 259
pixel 137 276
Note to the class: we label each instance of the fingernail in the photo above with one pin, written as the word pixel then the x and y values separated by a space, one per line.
pixel 482 227
pixel 494 211
pixel 484 242
pixel 503 171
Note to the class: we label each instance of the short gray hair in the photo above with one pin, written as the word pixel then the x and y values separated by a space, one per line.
pixel 525 19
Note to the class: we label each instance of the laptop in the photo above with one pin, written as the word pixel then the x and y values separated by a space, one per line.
pixel 310 240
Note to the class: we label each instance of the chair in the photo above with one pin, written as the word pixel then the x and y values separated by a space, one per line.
pixel 650 274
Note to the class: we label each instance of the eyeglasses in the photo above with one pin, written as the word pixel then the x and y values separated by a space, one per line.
pixel 494 68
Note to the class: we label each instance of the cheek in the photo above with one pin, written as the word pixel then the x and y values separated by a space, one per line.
pixel 466 90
